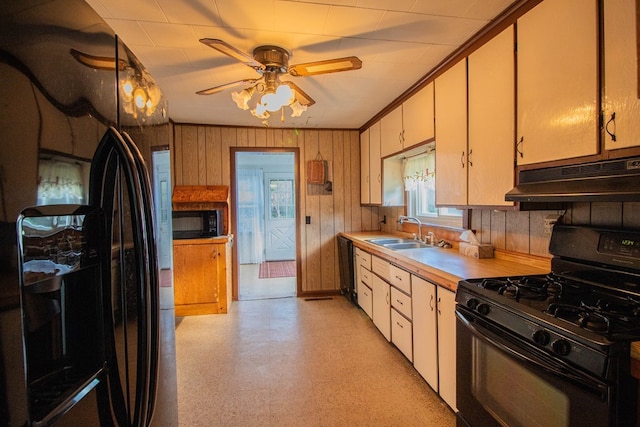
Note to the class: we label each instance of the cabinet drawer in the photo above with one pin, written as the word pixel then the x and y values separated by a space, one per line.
pixel 401 302
pixel 363 258
pixel 381 267
pixel 401 334
pixel 400 278
pixel 365 299
pixel 365 276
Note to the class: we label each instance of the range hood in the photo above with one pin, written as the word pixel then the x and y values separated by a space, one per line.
pixel 606 181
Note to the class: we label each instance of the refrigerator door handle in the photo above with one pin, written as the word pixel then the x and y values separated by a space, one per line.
pixel 116 156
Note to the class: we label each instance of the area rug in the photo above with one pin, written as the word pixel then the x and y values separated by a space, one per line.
pixel 272 269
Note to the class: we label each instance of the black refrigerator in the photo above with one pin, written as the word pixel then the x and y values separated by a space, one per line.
pixel 79 309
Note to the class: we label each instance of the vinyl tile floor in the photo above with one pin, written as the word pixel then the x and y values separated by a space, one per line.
pixel 297 362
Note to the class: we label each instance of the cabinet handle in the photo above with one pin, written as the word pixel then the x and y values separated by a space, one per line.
pixel 462 160
pixel 606 127
pixel 399 302
pixel 431 303
pixel 439 301
pixel 387 298
pixel 398 323
pixel 379 178
pixel 399 278
pixel 520 146
pixel 469 158
pixel 402 135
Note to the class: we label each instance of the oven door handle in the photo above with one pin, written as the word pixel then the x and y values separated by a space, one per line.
pixel 545 363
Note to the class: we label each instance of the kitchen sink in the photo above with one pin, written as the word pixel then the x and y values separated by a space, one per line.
pixel 386 241
pixel 399 243
pixel 407 245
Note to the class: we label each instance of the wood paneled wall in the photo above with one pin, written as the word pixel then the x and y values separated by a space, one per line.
pixel 201 156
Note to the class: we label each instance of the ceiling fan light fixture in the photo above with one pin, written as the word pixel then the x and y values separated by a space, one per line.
pixel 260 112
pixel 242 98
pixel 282 97
pixel 297 109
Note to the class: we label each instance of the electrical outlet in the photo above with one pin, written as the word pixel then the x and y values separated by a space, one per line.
pixel 549 221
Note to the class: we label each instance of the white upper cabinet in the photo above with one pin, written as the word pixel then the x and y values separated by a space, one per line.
pixel 365 177
pixel 557 81
pixel 391 132
pixel 370 166
pixel 621 92
pixel 491 121
pixel 451 135
pixel 375 165
pixel 418 117
pixel 408 124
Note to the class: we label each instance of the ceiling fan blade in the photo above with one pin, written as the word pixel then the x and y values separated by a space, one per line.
pixel 234 52
pixel 327 66
pixel 301 95
pixel 225 86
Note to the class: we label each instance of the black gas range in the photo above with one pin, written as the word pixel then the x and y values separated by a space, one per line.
pixel 567 334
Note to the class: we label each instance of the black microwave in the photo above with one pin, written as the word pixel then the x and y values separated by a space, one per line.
pixel 197 224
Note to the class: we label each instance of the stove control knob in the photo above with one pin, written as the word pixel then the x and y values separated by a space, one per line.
pixel 484 309
pixel 472 303
pixel 561 347
pixel 541 337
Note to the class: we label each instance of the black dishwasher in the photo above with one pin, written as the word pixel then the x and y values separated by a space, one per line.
pixel 347 281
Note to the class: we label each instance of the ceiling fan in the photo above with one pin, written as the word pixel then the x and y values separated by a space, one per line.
pixel 271 62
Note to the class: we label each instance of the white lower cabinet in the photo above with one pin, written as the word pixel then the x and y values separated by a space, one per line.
pixel 401 333
pixel 382 306
pixel 425 330
pixel 447 346
pixel 365 299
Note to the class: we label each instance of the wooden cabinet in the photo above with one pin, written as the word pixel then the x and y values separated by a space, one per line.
pixel 447 346
pixel 557 82
pixel 202 276
pixel 370 166
pixel 382 306
pixel 621 92
pixel 490 155
pixel 425 330
pixel 451 136
pixel 408 124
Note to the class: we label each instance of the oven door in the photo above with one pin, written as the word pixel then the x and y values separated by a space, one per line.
pixel 502 380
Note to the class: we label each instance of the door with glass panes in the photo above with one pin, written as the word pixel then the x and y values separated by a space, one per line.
pixel 280 221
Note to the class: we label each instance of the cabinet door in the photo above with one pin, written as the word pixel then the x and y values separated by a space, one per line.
pixel 364 167
pixel 365 299
pixel 375 165
pixel 418 117
pixel 557 81
pixel 425 332
pixel 391 132
pixel 382 306
pixel 451 136
pixel 195 274
pixel 621 92
pixel 447 346
pixel 491 124
pixel 401 334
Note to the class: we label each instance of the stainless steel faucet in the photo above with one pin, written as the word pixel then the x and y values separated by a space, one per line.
pixel 413 218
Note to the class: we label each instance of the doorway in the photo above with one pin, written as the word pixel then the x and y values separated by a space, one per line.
pixel 265 204
pixel 164 243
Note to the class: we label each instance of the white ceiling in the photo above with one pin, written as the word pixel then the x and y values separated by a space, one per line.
pixel 398 41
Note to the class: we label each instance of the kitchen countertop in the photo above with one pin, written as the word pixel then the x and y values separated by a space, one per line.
pixel 445 267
